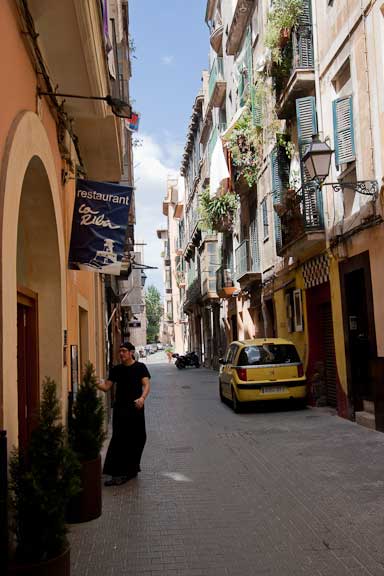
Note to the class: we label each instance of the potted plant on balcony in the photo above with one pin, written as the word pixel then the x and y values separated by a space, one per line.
pixel 245 144
pixel 42 480
pixel 218 213
pixel 87 436
pixel 283 16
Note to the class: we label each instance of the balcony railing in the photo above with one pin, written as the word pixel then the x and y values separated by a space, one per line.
pixel 216 75
pixel 301 214
pixel 298 57
pixel 225 285
pixel 247 259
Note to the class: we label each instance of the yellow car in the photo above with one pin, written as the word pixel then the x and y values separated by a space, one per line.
pixel 261 369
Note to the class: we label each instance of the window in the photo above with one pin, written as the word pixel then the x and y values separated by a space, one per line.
pixel 268 354
pixel 265 219
pixel 343 130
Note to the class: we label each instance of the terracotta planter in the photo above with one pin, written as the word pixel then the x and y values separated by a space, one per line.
pixel 88 503
pixel 285 34
pixel 59 566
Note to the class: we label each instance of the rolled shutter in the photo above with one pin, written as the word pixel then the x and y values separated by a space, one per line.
pixel 343 130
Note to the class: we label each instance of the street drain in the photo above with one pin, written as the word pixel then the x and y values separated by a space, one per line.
pixel 186 387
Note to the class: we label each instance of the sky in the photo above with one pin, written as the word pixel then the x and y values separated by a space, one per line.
pixel 171 46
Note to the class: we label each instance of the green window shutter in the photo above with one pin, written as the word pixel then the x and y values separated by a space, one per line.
pixel 306 118
pixel 257 108
pixel 303 38
pixel 254 246
pixel 343 130
pixel 280 181
pixel 305 18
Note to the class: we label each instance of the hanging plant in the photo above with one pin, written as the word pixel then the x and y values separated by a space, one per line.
pixel 245 143
pixel 283 16
pixel 218 213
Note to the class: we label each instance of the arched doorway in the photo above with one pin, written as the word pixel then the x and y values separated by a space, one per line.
pixel 39 335
pixel 33 277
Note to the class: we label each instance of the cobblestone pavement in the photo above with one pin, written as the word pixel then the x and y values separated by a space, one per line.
pixel 278 493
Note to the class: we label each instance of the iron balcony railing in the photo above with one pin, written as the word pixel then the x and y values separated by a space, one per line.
pixel 216 74
pixel 224 278
pixel 247 259
pixel 301 213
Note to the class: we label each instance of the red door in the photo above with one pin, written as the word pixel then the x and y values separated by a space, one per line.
pixel 27 364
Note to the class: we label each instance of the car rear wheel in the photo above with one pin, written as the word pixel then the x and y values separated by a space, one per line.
pixel 236 405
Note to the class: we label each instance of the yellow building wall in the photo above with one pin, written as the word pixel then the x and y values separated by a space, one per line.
pixel 300 339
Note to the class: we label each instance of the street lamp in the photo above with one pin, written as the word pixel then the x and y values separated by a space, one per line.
pixel 120 108
pixel 317 159
pixel 317 162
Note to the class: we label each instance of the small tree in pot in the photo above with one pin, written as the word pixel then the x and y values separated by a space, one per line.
pixel 87 436
pixel 42 480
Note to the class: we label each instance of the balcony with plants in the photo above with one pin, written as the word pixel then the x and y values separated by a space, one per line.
pixel 299 219
pixel 219 212
pixel 289 36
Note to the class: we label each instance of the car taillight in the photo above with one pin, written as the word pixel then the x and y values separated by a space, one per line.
pixel 300 371
pixel 242 373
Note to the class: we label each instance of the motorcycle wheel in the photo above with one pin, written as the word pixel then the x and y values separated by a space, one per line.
pixel 179 365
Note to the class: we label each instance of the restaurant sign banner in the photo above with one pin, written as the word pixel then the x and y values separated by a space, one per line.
pixel 99 226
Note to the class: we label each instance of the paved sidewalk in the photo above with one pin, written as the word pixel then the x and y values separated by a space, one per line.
pixel 282 493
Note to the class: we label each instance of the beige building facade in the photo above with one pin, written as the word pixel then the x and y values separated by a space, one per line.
pixel 53 319
pixel 298 258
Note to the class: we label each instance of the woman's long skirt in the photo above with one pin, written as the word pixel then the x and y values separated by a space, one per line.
pixel 127 443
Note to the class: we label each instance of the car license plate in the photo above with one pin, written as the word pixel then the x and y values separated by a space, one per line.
pixel 274 389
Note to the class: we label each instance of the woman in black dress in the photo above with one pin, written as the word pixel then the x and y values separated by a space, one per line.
pixel 132 380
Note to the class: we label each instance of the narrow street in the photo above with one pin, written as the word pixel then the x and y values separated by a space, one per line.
pixel 282 492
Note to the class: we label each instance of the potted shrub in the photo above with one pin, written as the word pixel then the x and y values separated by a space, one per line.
pixel 283 16
pixel 87 436
pixel 42 480
pixel 218 213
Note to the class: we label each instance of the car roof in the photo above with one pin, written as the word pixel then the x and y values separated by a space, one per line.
pixel 261 341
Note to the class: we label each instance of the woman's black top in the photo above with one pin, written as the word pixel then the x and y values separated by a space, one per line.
pixel 128 381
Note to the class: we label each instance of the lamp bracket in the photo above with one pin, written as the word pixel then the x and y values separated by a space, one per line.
pixel 365 187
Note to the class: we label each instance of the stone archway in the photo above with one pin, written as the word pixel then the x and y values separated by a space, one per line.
pixel 32 257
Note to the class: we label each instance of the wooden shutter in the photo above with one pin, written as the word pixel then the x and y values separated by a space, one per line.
pixel 254 245
pixel 280 181
pixel 304 43
pixel 343 130
pixel 306 118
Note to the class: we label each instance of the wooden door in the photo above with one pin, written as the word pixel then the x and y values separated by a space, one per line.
pixel 27 364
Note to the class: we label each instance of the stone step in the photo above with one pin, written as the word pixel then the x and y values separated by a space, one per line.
pixel 366 419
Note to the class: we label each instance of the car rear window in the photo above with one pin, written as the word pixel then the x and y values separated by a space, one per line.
pixel 268 354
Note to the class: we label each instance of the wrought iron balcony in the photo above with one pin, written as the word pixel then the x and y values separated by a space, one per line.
pixel 301 222
pixel 247 262
pixel 217 83
pixel 300 79
pixel 225 285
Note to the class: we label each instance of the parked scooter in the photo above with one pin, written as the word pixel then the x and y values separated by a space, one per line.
pixel 188 359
